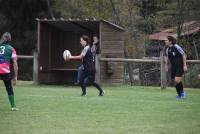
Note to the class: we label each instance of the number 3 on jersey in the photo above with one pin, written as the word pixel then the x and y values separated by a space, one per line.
pixel 2 49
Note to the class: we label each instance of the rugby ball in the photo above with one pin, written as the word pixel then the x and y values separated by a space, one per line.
pixel 66 54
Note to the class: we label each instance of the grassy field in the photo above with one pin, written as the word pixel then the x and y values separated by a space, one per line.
pixel 123 110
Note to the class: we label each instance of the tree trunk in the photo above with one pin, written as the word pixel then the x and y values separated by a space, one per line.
pixel 129 65
pixel 49 9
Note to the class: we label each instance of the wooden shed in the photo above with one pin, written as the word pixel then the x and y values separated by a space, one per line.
pixel 57 35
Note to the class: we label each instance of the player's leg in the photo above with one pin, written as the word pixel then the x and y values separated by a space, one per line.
pixel 92 80
pixel 83 83
pixel 80 70
pixel 9 89
pixel 173 73
pixel 179 84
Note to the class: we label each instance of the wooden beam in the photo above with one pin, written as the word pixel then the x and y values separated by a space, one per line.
pixel 143 60
pixel 25 56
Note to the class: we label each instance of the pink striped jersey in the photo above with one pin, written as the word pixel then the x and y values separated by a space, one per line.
pixel 7 53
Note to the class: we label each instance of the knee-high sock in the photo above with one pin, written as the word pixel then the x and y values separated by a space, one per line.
pixel 97 86
pixel 12 100
pixel 179 88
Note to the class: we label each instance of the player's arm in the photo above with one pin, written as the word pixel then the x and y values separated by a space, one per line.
pixel 15 65
pixel 167 62
pixel 79 57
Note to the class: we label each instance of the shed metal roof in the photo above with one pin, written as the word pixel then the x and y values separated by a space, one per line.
pixel 70 24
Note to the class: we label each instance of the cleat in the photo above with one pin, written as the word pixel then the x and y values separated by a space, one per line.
pixel 101 93
pixel 183 95
pixel 178 97
pixel 84 94
pixel 14 109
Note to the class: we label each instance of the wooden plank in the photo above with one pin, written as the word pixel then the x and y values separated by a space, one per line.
pixel 114 51
pixel 163 76
pixel 116 45
pixel 109 36
pixel 110 78
pixel 108 28
pixel 35 67
pixel 111 81
pixel 130 60
pixel 115 54
pixel 143 60
pixel 112 42
pixel 25 56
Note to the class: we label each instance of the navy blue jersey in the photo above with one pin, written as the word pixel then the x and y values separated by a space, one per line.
pixel 175 55
pixel 88 61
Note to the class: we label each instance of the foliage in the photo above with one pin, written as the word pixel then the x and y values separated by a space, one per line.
pixel 18 17
pixel 187 47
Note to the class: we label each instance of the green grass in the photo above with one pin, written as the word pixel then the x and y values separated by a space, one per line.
pixel 123 110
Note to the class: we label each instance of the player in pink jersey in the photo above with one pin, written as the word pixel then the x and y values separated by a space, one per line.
pixel 8 67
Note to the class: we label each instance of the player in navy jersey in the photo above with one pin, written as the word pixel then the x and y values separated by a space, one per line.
pixel 94 48
pixel 88 74
pixel 177 59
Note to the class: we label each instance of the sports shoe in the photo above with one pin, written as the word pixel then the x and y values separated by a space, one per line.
pixel 183 95
pixel 101 93
pixel 84 94
pixel 178 97
pixel 14 109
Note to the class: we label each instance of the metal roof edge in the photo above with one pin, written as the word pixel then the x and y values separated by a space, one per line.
pixel 78 19
pixel 115 25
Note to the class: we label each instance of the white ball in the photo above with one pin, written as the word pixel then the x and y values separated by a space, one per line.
pixel 66 54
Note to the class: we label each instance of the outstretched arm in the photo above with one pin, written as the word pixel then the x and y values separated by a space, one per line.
pixel 79 57
pixel 166 63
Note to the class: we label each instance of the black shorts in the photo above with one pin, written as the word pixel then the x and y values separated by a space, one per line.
pixel 90 74
pixel 5 76
pixel 176 72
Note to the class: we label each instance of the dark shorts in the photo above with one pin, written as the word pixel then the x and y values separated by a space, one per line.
pixel 89 74
pixel 177 72
pixel 5 76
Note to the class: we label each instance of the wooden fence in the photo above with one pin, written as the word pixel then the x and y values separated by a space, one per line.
pixel 35 64
pixel 159 60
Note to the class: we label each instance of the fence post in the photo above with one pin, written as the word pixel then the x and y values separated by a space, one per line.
pixel 98 69
pixel 35 67
pixel 163 78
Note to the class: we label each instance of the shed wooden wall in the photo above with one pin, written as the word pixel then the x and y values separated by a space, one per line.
pixel 111 45
pixel 53 41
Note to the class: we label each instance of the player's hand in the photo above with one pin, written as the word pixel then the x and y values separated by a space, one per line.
pixel 185 68
pixel 68 58
pixel 14 81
